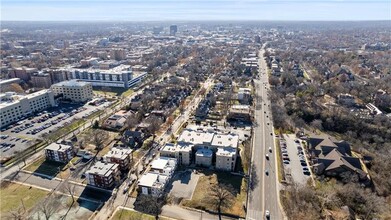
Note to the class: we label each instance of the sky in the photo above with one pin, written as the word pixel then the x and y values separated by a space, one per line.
pixel 194 10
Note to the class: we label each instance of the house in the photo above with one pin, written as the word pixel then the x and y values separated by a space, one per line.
pixel 117 120
pixel 332 158
pixel 103 175
pixel 346 100
pixel 120 156
pixel 134 139
pixel 244 95
pixel 59 152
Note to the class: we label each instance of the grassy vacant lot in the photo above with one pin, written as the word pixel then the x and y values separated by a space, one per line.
pixel 131 215
pixel 202 190
pixel 42 166
pixel 12 195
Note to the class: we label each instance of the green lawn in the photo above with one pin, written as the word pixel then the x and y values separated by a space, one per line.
pixel 131 215
pixel 12 195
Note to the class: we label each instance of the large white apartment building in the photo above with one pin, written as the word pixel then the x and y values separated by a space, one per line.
pixel 117 76
pixel 74 90
pixel 13 107
pixel 199 147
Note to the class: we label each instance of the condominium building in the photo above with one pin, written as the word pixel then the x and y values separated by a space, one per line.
pixel 59 152
pixel 154 182
pixel 13 107
pixel 164 165
pixel 204 157
pixel 41 80
pixel 116 76
pixel 120 156
pixel 103 175
pixel 199 147
pixel 74 90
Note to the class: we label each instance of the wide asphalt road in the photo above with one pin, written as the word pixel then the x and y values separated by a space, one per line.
pixel 263 189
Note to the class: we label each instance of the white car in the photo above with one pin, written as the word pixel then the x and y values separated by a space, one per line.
pixel 267 156
pixel 270 149
pixel 267 214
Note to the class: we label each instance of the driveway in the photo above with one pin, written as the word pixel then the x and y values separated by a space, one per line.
pixel 183 184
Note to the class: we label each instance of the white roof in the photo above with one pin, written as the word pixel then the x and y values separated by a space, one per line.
pixel 153 180
pixel 225 140
pixel 226 151
pixel 203 152
pixel 163 162
pixel 58 147
pixel 120 153
pixel 102 169
pixel 196 137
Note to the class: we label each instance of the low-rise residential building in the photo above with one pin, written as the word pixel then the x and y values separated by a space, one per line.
pixel 199 147
pixel 346 99
pixel 203 157
pixel 117 120
pixel 103 175
pixel 164 165
pixel 13 107
pixel 59 152
pixel 73 90
pixel 154 182
pixel 332 158
pixel 120 156
pixel 240 113
pixel 244 95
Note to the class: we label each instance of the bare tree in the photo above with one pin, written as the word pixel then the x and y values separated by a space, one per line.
pixel 48 208
pixel 131 121
pixel 221 196
pixel 98 138
pixel 317 124
pixel 17 214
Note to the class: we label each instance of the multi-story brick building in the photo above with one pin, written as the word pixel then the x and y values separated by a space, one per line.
pixel 59 152
pixel 103 175
pixel 120 156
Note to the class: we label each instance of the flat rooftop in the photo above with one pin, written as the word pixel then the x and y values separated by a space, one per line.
pixel 204 153
pixel 120 153
pixel 163 162
pixel 196 137
pixel 153 180
pixel 225 140
pixel 225 151
pixel 58 147
pixel 102 169
pixel 115 70
pixel 72 83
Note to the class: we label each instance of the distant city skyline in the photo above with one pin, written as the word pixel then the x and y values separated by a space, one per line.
pixel 191 10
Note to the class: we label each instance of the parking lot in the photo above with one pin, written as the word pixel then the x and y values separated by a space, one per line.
pixel 183 184
pixel 294 160
pixel 19 136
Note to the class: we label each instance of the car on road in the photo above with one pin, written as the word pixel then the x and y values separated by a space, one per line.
pixel 270 149
pixel 267 172
pixel 267 214
pixel 286 162
pixel 125 189
pixel 267 156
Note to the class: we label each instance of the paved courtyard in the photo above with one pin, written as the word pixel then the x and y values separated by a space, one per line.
pixel 183 184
